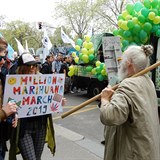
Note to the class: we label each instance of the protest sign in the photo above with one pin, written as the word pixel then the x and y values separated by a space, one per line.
pixel 112 54
pixel 35 94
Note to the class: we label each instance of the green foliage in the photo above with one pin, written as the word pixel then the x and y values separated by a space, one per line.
pixel 22 31
pixel 77 14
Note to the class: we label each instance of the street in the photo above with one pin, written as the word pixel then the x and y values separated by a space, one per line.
pixel 85 121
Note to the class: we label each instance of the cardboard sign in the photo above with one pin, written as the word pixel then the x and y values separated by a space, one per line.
pixel 35 94
pixel 112 54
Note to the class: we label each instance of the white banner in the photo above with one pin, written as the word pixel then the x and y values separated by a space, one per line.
pixel 47 45
pixel 35 94
pixel 66 39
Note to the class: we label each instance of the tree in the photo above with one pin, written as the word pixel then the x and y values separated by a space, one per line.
pixel 22 31
pixel 77 14
pixel 111 9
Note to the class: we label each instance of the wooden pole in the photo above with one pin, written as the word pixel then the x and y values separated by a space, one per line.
pixel 114 88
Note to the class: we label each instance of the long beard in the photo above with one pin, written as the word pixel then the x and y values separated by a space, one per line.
pixel 122 72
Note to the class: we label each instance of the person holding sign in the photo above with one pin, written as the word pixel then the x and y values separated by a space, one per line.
pixel 34 131
pixel 131 112
pixel 7 109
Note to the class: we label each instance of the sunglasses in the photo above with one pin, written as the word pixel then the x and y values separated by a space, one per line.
pixel 2 57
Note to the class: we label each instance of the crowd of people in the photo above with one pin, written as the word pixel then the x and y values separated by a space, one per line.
pixel 129 114
pixel 60 64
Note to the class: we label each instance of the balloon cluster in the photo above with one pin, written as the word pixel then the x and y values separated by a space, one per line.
pixel 138 22
pixel 71 70
pixel 86 50
pixel 99 71
pixel 87 56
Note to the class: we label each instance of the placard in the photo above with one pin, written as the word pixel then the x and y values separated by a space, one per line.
pixel 35 94
pixel 112 54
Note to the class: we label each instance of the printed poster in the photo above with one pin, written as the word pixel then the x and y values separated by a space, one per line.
pixel 112 55
pixel 35 94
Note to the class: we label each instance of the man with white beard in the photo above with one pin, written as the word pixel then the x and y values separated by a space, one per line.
pixel 130 113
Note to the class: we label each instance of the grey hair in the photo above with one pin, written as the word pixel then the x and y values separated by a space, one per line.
pixel 139 56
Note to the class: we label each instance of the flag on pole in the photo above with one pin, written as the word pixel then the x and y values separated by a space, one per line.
pixel 20 47
pixel 90 29
pixel 66 39
pixel 47 45
pixel 27 47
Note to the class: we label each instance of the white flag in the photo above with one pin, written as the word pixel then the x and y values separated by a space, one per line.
pixel 47 45
pixel 46 41
pixel 66 39
pixel 27 47
pixel 20 47
pixel 90 29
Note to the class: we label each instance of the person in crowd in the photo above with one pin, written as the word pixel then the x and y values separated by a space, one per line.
pixel 37 58
pixel 131 112
pixel 61 56
pixel 47 65
pixel 64 69
pixel 74 80
pixel 8 109
pixel 55 49
pixel 56 65
pixel 32 132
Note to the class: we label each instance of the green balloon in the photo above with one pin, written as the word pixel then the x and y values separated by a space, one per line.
pixel 154 28
pixel 142 35
pixel 136 39
pixel 120 31
pixel 147 27
pixel 145 12
pixel 80 56
pixel 125 43
pixel 154 3
pixel 136 29
pixel 98 69
pixel 100 77
pixel 141 19
pixel 101 65
pixel 79 42
pixel 130 24
pixel 147 4
pixel 126 34
pixel 158 33
pixel 120 17
pixel 129 8
pixel 138 6
pixel 89 68
pixel 115 32
pixel 91 57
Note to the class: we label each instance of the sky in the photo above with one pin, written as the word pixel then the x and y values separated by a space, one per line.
pixel 28 10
